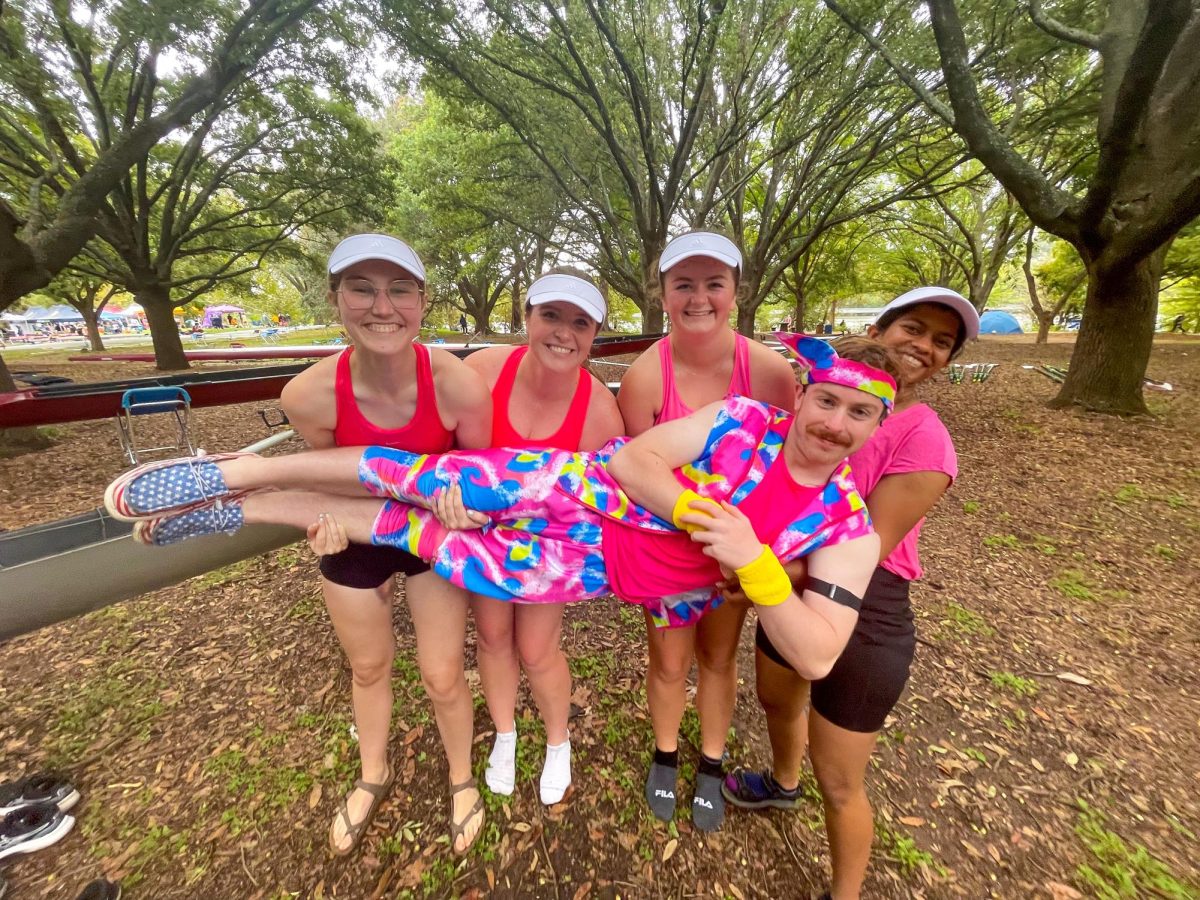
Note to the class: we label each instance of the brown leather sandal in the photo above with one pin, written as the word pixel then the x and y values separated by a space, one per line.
pixel 457 829
pixel 356 831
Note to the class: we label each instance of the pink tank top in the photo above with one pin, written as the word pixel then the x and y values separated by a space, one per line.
pixel 648 565
pixel 569 433
pixel 424 432
pixel 673 406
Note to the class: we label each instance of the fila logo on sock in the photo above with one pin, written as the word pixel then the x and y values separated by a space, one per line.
pixel 700 801
pixel 659 792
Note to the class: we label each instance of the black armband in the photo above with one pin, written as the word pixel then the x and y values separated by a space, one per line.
pixel 834 592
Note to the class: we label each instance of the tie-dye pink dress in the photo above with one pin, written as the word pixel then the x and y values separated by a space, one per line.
pixel 544 542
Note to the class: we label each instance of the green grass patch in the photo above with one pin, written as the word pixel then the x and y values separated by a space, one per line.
pixel 1045 544
pixel 963 621
pixel 1121 871
pixel 259 789
pixel 903 851
pixel 1008 681
pixel 970 507
pixel 1070 583
pixel 1129 493
pixel 224 575
pixel 1002 541
pixel 122 700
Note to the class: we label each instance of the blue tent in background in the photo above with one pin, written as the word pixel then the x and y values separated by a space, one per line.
pixel 997 321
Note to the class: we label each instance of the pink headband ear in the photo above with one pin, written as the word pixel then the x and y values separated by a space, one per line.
pixel 819 362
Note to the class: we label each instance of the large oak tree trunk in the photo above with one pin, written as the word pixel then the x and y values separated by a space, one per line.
pixel 515 323
pixel 160 316
pixel 745 320
pixel 1045 320
pixel 14 441
pixel 1115 337
pixel 92 322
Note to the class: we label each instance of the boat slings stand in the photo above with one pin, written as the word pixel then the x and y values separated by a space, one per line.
pixel 162 401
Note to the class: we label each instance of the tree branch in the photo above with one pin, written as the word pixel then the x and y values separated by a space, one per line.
pixel 1057 29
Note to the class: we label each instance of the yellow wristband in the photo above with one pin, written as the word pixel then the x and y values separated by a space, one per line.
pixel 764 581
pixel 681 508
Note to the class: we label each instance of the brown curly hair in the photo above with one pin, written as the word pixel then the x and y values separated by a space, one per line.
pixel 870 351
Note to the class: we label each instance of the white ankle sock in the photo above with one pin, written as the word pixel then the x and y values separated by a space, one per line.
pixel 501 771
pixel 556 773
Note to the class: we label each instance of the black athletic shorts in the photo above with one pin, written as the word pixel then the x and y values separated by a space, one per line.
pixel 867 680
pixel 367 566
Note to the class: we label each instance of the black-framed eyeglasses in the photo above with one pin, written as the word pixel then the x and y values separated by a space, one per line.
pixel 405 295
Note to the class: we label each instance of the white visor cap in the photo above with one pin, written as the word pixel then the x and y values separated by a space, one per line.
pixel 944 296
pixel 360 247
pixel 569 289
pixel 700 243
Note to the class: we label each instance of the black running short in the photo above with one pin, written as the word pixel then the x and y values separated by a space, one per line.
pixel 367 566
pixel 867 680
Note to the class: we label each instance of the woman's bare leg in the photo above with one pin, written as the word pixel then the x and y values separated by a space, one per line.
pixel 671 651
pixel 539 637
pixel 439 615
pixel 496 652
pixel 301 509
pixel 363 622
pixel 717 637
pixel 332 471
pixel 784 698
pixel 839 759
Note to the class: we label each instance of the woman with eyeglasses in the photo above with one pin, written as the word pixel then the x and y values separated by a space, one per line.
pixel 388 389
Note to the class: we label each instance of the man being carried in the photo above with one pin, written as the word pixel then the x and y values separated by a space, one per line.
pixel 734 488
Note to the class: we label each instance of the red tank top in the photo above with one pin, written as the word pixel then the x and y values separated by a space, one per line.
pixel 569 433
pixel 424 432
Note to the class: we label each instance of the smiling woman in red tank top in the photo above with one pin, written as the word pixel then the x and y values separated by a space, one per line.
pixel 387 389
pixel 541 397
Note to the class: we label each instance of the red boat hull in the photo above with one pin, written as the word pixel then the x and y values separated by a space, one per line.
pixel 101 400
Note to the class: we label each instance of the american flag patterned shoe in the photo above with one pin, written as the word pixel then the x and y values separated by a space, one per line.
pixel 167 486
pixel 223 516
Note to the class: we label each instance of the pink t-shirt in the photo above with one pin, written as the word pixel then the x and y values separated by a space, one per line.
pixel 912 440
pixel 647 565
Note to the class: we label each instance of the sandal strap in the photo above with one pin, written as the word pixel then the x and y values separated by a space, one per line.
pixel 375 790
pixel 459 788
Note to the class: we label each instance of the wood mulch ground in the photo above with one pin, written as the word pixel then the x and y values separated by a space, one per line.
pixel 1048 745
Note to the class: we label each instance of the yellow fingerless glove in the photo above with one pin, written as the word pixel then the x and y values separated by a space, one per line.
pixel 681 508
pixel 764 581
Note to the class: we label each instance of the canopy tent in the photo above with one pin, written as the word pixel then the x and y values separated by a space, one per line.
pixel 997 321
pixel 63 313
pixel 217 315
pixel 58 313
pixel 13 317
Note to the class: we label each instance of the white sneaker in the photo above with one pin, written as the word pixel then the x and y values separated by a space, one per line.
pixel 556 773
pixel 501 771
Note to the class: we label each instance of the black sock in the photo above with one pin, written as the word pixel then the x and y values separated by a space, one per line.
pixel 709 766
pixel 667 758
pixel 660 787
pixel 708 806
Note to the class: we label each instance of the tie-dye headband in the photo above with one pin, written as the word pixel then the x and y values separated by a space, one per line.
pixel 820 362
